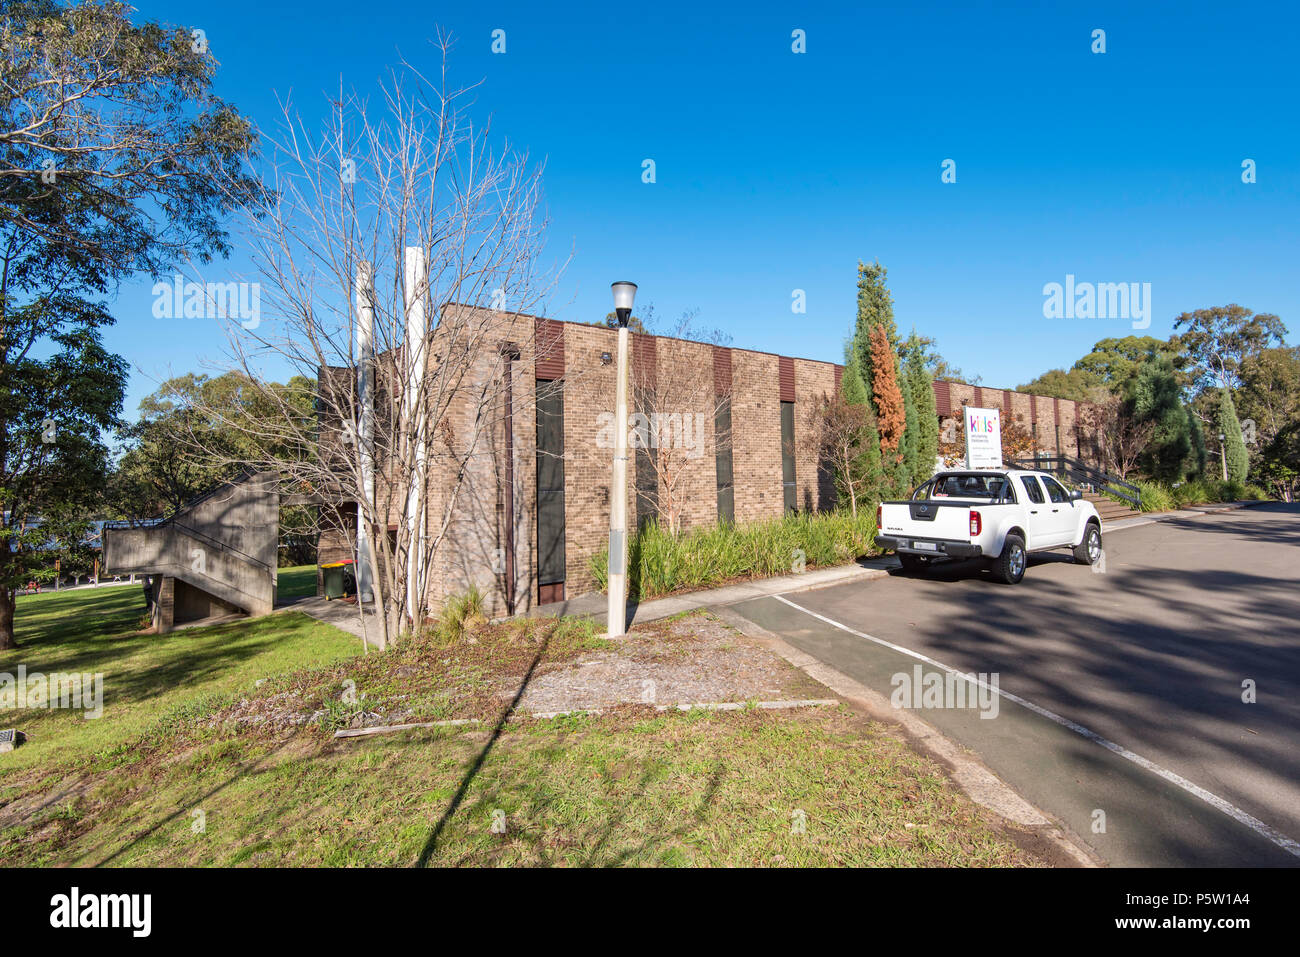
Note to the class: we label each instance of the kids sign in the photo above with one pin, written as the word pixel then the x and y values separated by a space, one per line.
pixel 983 438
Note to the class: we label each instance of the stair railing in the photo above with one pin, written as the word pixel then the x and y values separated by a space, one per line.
pixel 1081 473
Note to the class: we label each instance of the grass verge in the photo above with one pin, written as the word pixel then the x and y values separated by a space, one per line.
pixel 208 765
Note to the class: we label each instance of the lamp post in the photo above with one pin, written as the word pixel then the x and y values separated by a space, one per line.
pixel 624 294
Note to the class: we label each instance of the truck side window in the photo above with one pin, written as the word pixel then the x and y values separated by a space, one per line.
pixel 1054 490
pixel 1032 489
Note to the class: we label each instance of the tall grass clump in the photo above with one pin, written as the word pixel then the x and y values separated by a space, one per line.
pixel 1155 497
pixel 659 564
pixel 458 612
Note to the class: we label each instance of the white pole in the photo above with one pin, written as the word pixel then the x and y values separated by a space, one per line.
pixel 617 610
pixel 366 422
pixel 416 331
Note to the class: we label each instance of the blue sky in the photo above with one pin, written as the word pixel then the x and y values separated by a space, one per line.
pixel 778 171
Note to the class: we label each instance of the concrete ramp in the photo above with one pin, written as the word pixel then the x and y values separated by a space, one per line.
pixel 214 557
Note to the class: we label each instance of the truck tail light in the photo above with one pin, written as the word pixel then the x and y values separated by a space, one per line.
pixel 879 511
pixel 976 525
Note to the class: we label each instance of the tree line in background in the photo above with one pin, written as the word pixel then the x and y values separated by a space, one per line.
pixel 1219 399
pixel 115 159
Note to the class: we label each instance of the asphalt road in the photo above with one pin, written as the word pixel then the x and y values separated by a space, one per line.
pixel 1150 655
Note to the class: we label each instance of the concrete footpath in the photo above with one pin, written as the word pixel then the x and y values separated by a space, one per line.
pixel 594 604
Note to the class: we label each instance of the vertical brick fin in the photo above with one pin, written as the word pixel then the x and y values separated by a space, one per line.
pixel 943 397
pixel 839 377
pixel 721 370
pixel 550 348
pixel 785 373
pixel 1008 412
pixel 1056 412
pixel 644 360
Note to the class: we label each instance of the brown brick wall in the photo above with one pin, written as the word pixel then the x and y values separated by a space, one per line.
pixel 1048 418
pixel 812 382
pixel 756 431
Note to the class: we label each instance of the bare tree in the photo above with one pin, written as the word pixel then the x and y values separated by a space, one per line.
pixel 836 434
pixel 397 232
pixel 676 411
pixel 1121 438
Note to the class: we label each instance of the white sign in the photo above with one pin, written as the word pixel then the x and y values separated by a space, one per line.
pixel 983 438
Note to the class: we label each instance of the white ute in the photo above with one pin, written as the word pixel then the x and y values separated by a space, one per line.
pixel 1000 515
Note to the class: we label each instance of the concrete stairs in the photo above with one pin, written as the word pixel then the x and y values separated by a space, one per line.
pixel 222 545
pixel 1109 509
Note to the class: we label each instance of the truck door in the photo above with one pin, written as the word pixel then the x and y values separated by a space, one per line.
pixel 1060 511
pixel 1039 516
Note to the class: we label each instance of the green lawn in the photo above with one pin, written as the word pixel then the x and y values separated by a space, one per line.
pixel 297 582
pixel 703 789
pixel 189 728
pixel 148 679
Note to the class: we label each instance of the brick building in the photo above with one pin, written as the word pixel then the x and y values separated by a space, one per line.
pixel 526 526
pixel 1057 425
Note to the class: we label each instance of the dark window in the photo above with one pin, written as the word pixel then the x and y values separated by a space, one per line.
pixel 969 485
pixel 722 441
pixel 1054 490
pixel 550 482
pixel 787 455
pixel 1032 489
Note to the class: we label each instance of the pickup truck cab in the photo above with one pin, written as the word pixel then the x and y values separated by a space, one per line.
pixel 1001 515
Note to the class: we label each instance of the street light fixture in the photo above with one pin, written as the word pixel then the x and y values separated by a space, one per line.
pixel 624 296
pixel 616 611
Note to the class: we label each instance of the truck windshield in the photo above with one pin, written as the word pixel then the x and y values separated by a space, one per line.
pixel 976 485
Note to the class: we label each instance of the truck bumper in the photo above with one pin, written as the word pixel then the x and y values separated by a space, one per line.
pixel 941 547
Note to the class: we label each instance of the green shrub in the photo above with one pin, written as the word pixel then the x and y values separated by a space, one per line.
pixel 659 564
pixel 1155 497
pixel 1203 491
pixel 1194 492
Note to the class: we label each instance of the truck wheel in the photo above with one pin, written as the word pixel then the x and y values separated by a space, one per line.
pixel 1009 567
pixel 913 563
pixel 1088 551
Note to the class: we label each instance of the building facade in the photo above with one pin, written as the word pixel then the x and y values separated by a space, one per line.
pixel 533 507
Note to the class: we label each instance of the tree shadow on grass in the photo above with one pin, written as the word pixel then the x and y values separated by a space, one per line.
pixel 431 843
pixel 597 853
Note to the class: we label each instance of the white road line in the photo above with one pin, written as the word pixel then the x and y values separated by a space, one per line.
pixel 1216 802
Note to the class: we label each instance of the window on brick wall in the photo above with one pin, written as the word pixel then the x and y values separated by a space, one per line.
pixel 787 456
pixel 550 482
pixel 722 440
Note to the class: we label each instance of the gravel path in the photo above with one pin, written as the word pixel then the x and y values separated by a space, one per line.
pixel 688 660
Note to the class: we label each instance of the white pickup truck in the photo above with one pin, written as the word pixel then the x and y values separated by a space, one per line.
pixel 1000 515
